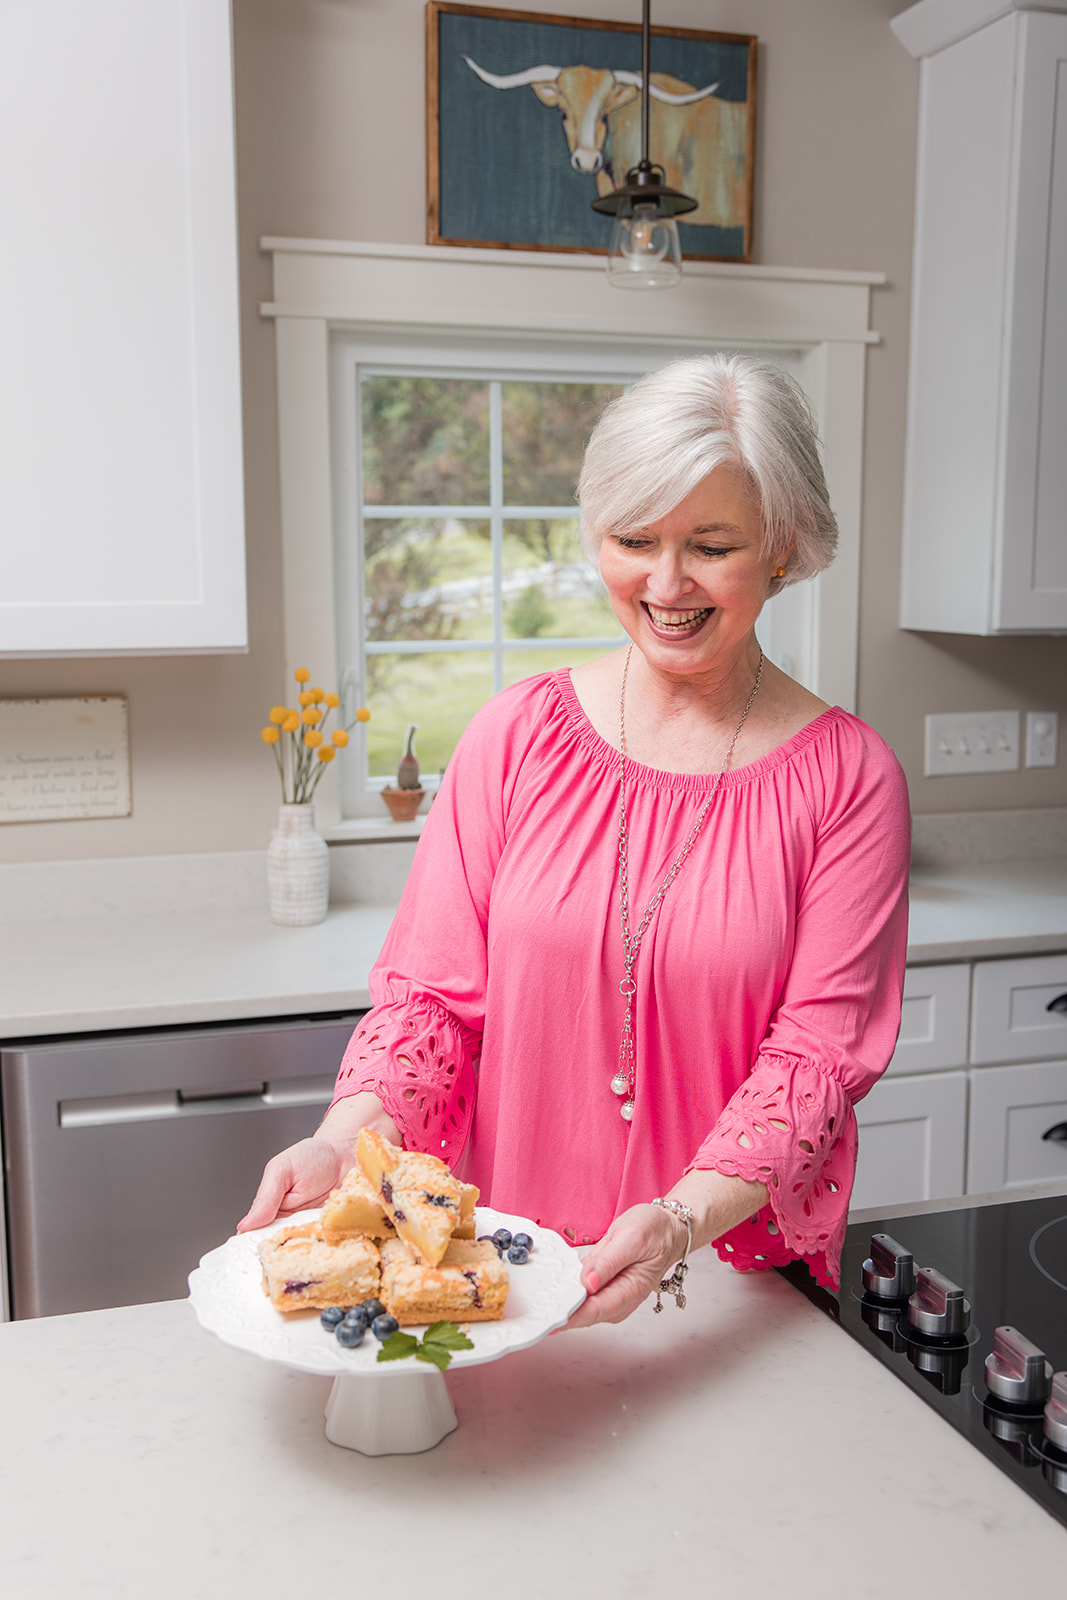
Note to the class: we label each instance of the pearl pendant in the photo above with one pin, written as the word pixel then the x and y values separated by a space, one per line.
pixel 626 1110
pixel 619 1084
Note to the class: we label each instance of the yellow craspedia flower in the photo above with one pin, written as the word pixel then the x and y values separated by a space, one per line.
pixel 362 715
pixel 318 696
pixel 339 737
pixel 292 722
pixel 270 735
pixel 312 738
pixel 278 714
pixel 326 752
pixel 305 697
pixel 301 674
pixel 310 716
pixel 333 701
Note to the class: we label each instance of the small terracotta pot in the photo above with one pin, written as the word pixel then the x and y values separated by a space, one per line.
pixel 402 803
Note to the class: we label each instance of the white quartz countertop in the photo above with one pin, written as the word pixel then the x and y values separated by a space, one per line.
pixel 157 968
pixel 997 908
pixel 744 1446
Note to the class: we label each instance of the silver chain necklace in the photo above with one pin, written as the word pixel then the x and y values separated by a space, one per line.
pixel 623 1081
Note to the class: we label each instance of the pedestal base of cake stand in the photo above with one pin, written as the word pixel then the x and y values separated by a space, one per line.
pixel 395 1417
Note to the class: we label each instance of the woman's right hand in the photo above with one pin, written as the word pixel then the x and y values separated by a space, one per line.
pixel 304 1174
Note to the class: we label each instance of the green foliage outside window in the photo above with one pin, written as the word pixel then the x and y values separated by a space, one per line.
pixel 427 579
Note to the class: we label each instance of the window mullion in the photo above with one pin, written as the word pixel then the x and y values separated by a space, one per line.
pixel 496 526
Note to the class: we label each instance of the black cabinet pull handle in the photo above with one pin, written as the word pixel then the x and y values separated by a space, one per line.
pixel 1059 1004
pixel 1057 1133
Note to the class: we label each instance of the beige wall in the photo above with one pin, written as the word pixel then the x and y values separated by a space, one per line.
pixel 330 145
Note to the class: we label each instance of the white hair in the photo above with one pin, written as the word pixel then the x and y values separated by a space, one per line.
pixel 658 440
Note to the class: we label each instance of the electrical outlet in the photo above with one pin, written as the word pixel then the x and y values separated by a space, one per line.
pixel 1042 730
pixel 973 741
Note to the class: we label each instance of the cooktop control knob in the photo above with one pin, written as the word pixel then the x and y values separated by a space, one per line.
pixel 1017 1370
pixel 889 1271
pixel 938 1308
pixel 1056 1412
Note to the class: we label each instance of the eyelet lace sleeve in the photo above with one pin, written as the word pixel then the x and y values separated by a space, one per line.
pixel 790 1126
pixel 419 1060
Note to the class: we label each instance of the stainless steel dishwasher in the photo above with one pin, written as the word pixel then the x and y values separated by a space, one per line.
pixel 128 1156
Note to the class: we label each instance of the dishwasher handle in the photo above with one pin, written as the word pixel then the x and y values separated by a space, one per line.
pixel 202 1101
pixel 217 1092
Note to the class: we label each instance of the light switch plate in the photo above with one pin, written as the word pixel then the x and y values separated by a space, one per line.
pixel 1042 737
pixel 971 741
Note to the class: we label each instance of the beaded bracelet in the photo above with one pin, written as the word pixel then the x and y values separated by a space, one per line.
pixel 675 1284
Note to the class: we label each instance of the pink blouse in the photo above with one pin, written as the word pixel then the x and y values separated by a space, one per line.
pixel 768 983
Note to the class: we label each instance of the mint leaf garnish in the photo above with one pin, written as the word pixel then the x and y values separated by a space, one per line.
pixel 435 1353
pixel 447 1336
pixel 441 1339
pixel 397 1346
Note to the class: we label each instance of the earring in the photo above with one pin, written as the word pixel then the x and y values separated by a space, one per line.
pixel 780 573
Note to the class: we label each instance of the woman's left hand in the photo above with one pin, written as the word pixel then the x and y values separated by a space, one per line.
pixel 638 1251
pixel 644 1244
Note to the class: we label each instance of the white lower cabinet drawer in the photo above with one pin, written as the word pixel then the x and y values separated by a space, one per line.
pixel 1018 1125
pixel 912 1133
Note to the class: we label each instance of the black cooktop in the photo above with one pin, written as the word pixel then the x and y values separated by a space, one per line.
pixel 1010 1260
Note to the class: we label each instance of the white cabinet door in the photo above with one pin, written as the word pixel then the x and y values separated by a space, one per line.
pixel 1011 1017
pixel 121 489
pixel 1018 1126
pixel 986 474
pixel 1030 579
pixel 912 1133
pixel 934 1019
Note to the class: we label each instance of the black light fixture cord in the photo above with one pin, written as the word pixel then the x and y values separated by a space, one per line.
pixel 645 82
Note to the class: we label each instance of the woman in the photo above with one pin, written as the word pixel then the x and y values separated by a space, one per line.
pixel 651 949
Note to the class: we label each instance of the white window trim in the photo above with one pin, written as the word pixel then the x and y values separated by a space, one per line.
pixel 821 319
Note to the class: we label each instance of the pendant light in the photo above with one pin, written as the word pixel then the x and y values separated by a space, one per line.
pixel 645 252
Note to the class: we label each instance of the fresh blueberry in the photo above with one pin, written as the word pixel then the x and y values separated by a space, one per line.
pixel 331 1316
pixel 350 1334
pixel 502 1238
pixel 523 1239
pixel 518 1254
pixel 373 1308
pixel 359 1316
pixel 383 1326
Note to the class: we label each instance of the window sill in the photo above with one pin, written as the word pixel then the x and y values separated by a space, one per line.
pixel 371 830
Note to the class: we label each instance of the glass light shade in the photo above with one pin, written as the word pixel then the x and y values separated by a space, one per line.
pixel 645 252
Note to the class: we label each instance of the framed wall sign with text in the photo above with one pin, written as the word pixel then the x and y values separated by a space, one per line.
pixel 531 117
pixel 64 759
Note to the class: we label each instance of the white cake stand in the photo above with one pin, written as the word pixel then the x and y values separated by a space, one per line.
pixel 387 1408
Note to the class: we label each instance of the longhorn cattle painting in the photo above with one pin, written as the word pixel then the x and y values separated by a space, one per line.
pixel 531 117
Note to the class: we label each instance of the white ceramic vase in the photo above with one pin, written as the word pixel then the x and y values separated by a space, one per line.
pixel 298 869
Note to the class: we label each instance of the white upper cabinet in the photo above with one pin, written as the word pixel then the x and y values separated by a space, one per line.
pixel 121 494
pixel 985 517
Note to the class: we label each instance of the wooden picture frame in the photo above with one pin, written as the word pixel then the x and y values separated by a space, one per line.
pixel 514 164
